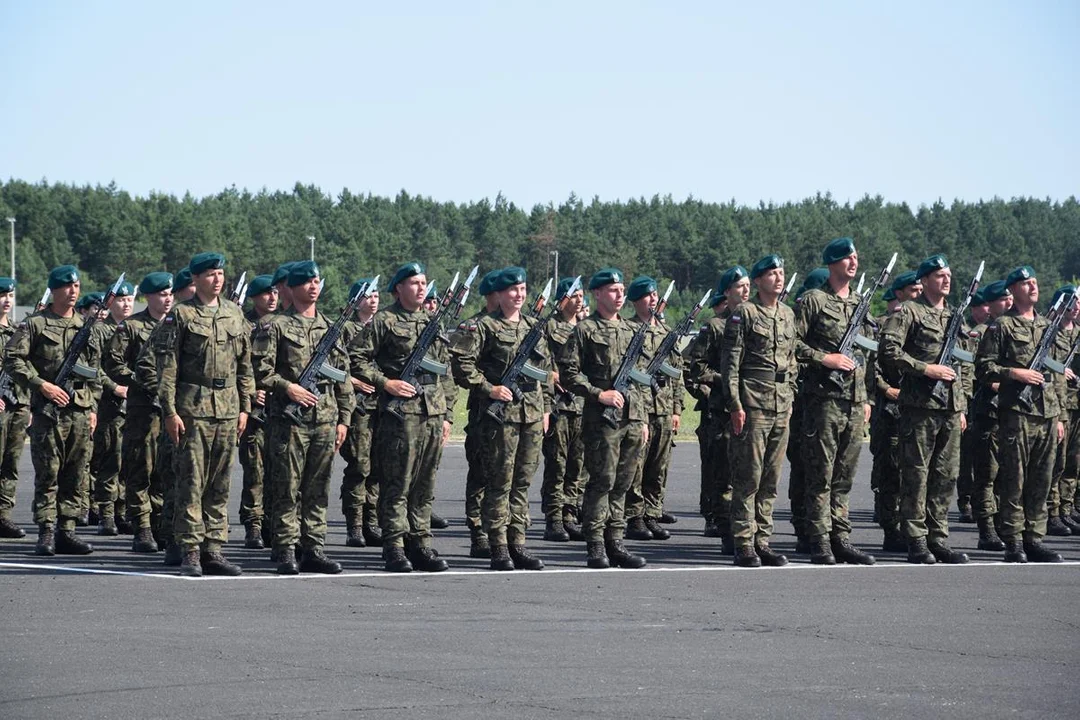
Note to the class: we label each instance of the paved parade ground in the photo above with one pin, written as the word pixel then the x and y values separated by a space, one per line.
pixel 120 636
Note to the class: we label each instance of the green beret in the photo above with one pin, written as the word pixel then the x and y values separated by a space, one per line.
pixel 889 295
pixel 155 282
pixel 125 289
pixel 979 296
pixel 607 276
pixel 766 264
pixel 1020 274
pixel 639 287
pixel 815 279
pixel 485 283
pixel 281 274
pixel 94 298
pixel 404 272
pixel 301 272
pixel 564 285
pixel 508 277
pixel 1064 290
pixel 63 275
pixel 903 280
pixel 182 280
pixel 358 285
pixel 995 291
pixel 931 264
pixel 730 277
pixel 837 250
pixel 260 284
pixel 6 284
pixel 432 292
pixel 206 261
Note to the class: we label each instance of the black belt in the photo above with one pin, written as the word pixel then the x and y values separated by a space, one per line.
pixel 764 375
pixel 212 383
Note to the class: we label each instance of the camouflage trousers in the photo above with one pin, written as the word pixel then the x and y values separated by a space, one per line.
pixel 984 460
pixel 360 480
pixel 167 469
pixel 59 451
pixel 105 468
pixel 757 457
pixel 717 466
pixel 564 467
pixel 612 456
pixel 965 480
pixel 144 483
pixel 797 471
pixel 646 494
pixel 1072 464
pixel 254 487
pixel 13 422
pixel 203 464
pixel 475 479
pixel 885 475
pixel 303 457
pixel 930 455
pixel 705 493
pixel 832 435
pixel 409 452
pixel 1061 484
pixel 511 455
pixel 1027 446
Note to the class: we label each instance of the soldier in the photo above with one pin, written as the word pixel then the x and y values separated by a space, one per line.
pixel 205 389
pixel 587 367
pixel 139 445
pixel 253 501
pixel 758 369
pixel 88 304
pixel 980 315
pixel 664 402
pixel 14 416
pixel 360 481
pixel 105 468
pixel 510 450
pixel 183 289
pixel 303 452
pixel 431 304
pixel 59 435
pixel 408 450
pixel 1062 485
pixel 564 454
pixel 930 430
pixel 279 281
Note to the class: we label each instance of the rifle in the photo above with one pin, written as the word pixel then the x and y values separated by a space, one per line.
pixel 625 373
pixel 317 365
pixel 235 294
pixel 7 391
pixel 852 336
pixel 659 363
pixel 243 295
pixel 45 298
pixel 1041 360
pixel 1067 363
pixel 859 287
pixel 71 367
pixel 787 290
pixel 949 351
pixel 450 306
pixel 520 365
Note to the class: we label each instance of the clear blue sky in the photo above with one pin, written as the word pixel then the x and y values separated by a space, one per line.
pixel 462 100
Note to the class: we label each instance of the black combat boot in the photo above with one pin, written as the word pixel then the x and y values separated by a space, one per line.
pixel 573 528
pixel 124 526
pixel 214 563
pixel 845 552
pixel 1075 514
pixel 636 530
pixel 555 530
pixel 396 562
pixel 426 559
pixel 524 560
pixel 821 552
pixel 286 559
pixel 500 558
pixel 746 557
pixel 479 547
pixel 253 539
pixel 10 530
pixel 803 546
pixel 667 518
pixel 598 558
pixel 107 526
pixel 619 556
pixel 946 555
pixel 727 545
pixel 769 557
pixel 965 513
pixel 143 542
pixel 1054 526
pixel 190 565
pixel 46 540
pixel 438 522
pixel 354 531
pixel 68 543
pixel 894 541
pixel 712 530
pixel 372 531
pixel 918 553
pixel 988 537
pixel 174 556
pixel 314 560
pixel 1070 523
pixel 1014 551
pixel 653 526
pixel 1039 553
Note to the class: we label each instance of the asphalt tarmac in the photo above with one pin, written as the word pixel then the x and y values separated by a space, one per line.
pixel 118 635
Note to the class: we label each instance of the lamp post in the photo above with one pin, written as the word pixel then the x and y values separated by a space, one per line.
pixel 11 222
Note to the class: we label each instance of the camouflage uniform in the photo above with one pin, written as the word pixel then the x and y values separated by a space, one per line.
pixel 983 427
pixel 476 481
pixel 147 374
pixel 1063 484
pixel 885 447
pixel 106 474
pixel 13 421
pixel 360 480
pixel 254 500
pixel 564 453
pixel 965 479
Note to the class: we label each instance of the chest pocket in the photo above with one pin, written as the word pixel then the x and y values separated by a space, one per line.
pixel 832 324
pixel 1020 345
pixel 402 336
pixel 931 332
pixel 199 337
pixel 760 337
pixel 293 344
pixel 599 348
pixel 504 346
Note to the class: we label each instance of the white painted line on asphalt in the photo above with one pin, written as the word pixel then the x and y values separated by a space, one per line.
pixel 85 571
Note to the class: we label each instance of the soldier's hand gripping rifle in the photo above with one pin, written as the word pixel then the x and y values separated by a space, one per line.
pixel 853 336
pixel 71 368
pixel 449 307
pixel 318 366
pixel 238 291
pixel 626 371
pixel 658 364
pixel 520 364
pixel 950 354
pixel 1041 360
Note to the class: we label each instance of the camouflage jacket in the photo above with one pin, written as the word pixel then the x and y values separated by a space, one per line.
pixel 1070 394
pixel 822 317
pixel 558 332
pixel 758 364
pixel 110 405
pixel 590 360
pixel 1010 342
pixel 667 397
pixel 20 392
pixel 123 350
pixel 370 401
pixel 36 351
pixel 703 355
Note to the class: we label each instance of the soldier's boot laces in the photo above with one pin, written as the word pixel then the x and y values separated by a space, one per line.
pixel 667 518
pixel 144 542
pixel 354 530
pixel 479 547
pixel 1014 552
pixel 314 560
pixel 10 530
pixel 68 543
pixel 1054 526
pixel 636 530
pixel 946 555
pixel 107 526
pixel 988 537
pixel 918 553
pixel 555 530
pixel 620 557
pixel 573 529
pixel 174 556
pixel 653 526
pixel 1070 523
pixel 438 522
pixel 253 539
pixel 426 559
pixel 395 559
pixel 893 541
pixel 845 552
pixel 286 558
pixel 500 558
pixel 524 560
pixel 1039 553
pixel 821 551
pixel 727 545
pixel 214 563
pixel 769 557
pixel 597 555
pixel 46 540
pixel 190 565
pixel 746 556
pixel 372 531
